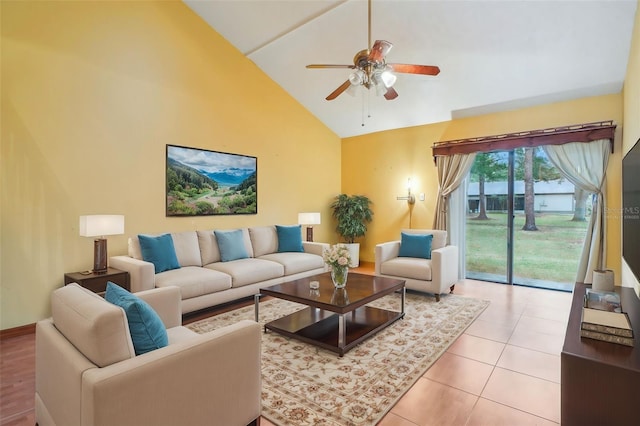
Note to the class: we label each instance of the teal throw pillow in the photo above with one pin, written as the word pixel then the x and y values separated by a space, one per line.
pixel 231 245
pixel 415 245
pixel 289 238
pixel 159 251
pixel 145 326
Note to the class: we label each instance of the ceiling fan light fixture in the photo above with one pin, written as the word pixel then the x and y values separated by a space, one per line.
pixel 352 90
pixel 357 77
pixel 381 90
pixel 388 78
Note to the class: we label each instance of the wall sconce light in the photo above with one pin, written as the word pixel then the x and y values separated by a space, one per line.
pixel 409 198
pixel 99 226
pixel 309 219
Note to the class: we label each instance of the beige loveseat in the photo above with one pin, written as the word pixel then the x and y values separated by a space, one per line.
pixel 437 275
pixel 205 280
pixel 87 372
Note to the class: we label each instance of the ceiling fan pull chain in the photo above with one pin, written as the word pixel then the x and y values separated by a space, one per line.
pixel 363 107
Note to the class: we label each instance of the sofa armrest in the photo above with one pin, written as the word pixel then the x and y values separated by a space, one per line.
pixel 142 275
pixel 314 248
pixel 214 377
pixel 59 366
pixel 386 251
pixel 167 302
pixel 444 267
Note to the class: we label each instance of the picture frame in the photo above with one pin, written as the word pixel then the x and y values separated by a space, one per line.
pixel 201 182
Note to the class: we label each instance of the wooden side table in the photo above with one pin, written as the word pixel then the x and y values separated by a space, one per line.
pixel 600 380
pixel 98 282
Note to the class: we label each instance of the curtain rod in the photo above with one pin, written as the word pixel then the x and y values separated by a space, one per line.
pixel 587 132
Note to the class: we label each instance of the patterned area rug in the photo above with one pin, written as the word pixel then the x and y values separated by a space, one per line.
pixel 306 385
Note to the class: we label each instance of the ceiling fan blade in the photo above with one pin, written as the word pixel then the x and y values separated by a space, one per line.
pixel 379 50
pixel 391 94
pixel 344 86
pixel 416 69
pixel 315 66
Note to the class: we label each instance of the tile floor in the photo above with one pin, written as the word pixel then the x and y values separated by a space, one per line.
pixel 504 370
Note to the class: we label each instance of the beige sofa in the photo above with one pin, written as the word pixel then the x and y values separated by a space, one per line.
pixel 437 275
pixel 205 281
pixel 88 374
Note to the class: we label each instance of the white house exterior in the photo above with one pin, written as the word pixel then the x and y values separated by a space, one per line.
pixel 555 196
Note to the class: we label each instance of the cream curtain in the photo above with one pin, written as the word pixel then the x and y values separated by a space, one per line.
pixel 452 169
pixel 585 165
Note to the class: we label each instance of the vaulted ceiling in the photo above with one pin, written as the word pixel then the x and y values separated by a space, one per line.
pixel 493 55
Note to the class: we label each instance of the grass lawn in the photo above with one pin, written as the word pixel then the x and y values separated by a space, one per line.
pixel 550 254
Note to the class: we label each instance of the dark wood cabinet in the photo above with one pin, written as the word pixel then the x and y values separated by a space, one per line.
pixel 600 381
pixel 98 282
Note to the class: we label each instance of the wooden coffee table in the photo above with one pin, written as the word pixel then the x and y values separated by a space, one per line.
pixel 335 319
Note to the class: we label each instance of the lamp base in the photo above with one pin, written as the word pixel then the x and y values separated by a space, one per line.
pixel 100 256
pixel 310 233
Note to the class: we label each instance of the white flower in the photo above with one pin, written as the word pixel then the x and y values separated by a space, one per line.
pixel 337 256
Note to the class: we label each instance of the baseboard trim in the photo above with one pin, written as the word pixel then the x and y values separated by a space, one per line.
pixel 23 330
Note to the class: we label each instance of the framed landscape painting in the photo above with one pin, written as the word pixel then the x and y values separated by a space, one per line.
pixel 203 183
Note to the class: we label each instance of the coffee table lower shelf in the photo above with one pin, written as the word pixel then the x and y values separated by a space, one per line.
pixel 322 328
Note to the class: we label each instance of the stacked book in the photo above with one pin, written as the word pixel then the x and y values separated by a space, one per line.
pixel 603 319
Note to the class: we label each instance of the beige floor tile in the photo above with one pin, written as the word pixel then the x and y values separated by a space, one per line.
pixel 556 299
pixel 547 312
pixel 542 325
pixel 499 314
pixel 532 395
pixel 477 348
pixel 432 403
pixel 490 330
pixel 394 420
pixel 265 422
pixel 460 372
pixel 543 342
pixel 533 363
pixel 491 413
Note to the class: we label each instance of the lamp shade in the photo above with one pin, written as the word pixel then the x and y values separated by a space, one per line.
pixel 309 218
pixel 101 225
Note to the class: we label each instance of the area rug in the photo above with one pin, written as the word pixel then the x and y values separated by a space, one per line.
pixel 305 385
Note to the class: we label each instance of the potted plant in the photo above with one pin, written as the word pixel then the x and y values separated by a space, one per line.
pixel 352 212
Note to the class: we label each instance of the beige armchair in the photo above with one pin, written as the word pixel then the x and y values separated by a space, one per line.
pixel 437 275
pixel 87 372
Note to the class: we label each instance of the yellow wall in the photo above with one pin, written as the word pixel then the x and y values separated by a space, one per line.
pixel 631 132
pixel 632 89
pixel 378 165
pixel 91 94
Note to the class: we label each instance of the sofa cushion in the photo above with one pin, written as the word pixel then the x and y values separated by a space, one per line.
pixel 160 251
pixel 194 281
pixel 415 245
pixel 95 327
pixel 295 263
pixel 231 245
pixel 209 251
pixel 248 271
pixel 264 240
pixel 289 238
pixel 407 267
pixel 145 326
pixel 187 248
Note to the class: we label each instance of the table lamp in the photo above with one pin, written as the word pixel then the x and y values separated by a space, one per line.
pixel 309 219
pixel 100 226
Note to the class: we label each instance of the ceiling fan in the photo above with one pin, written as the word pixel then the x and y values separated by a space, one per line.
pixel 372 71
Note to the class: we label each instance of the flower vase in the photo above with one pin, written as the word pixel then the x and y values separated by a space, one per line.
pixel 339 276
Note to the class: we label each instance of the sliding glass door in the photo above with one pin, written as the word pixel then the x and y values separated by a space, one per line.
pixel 487 231
pixel 525 223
